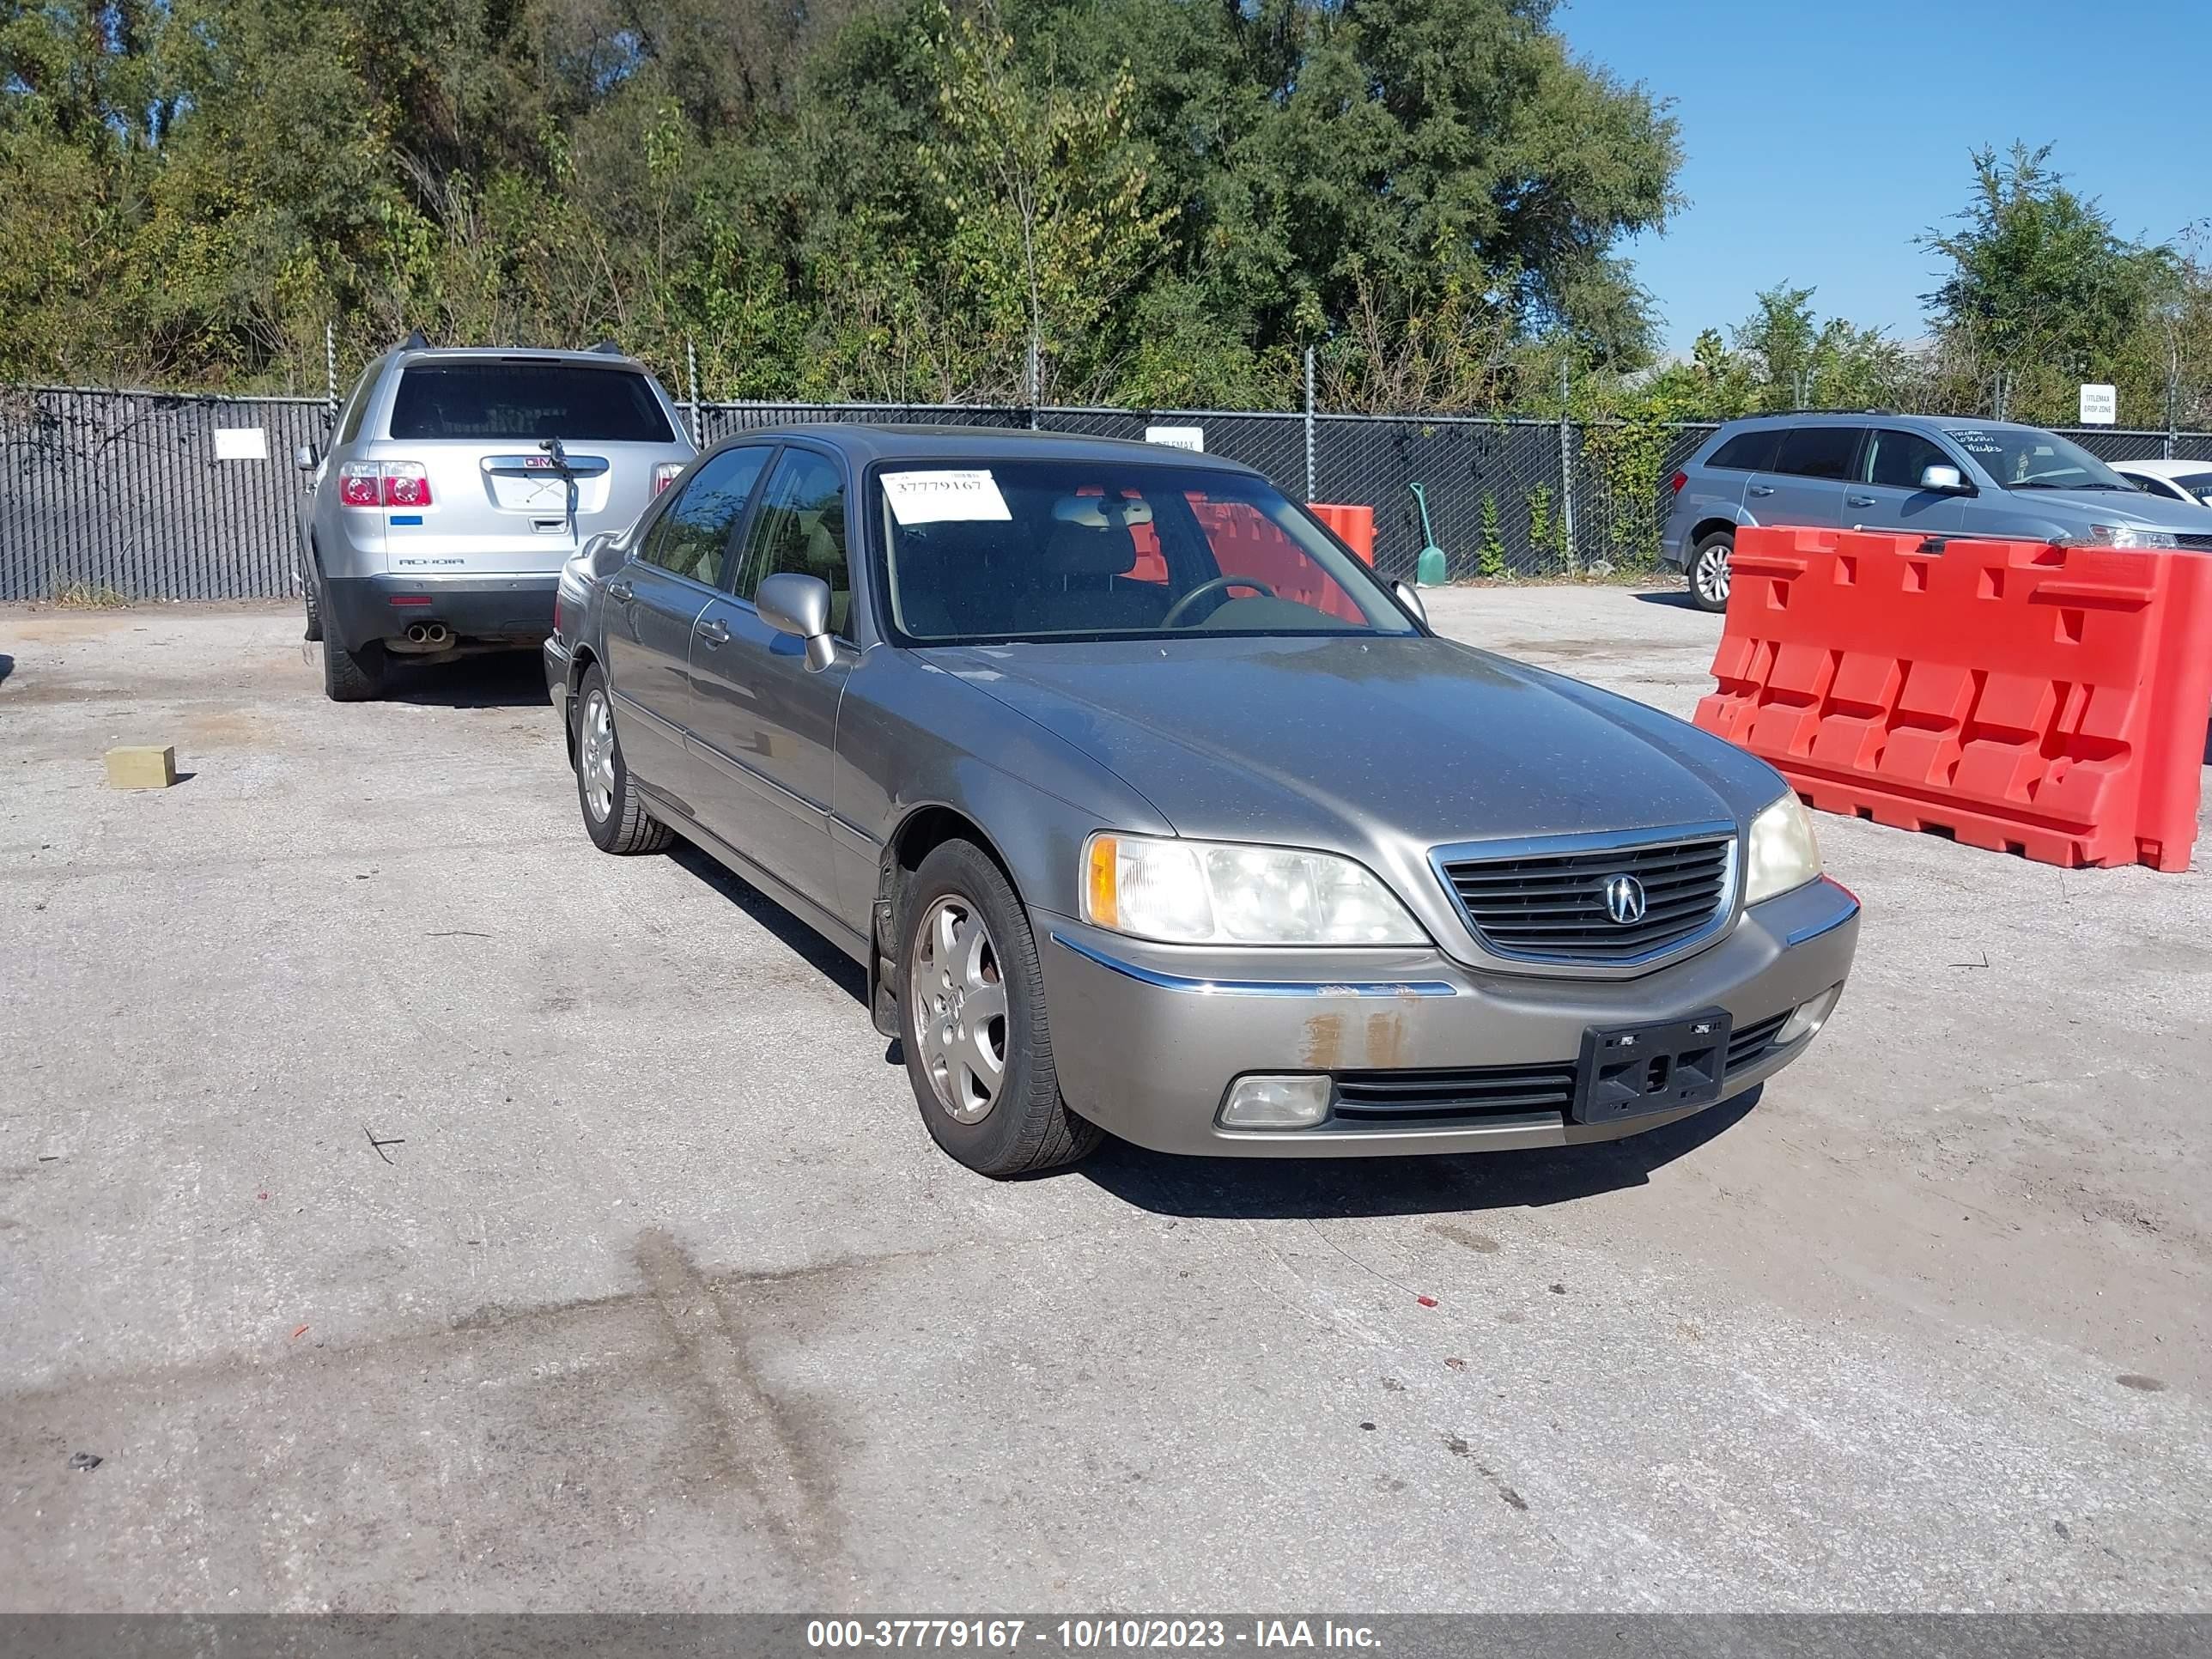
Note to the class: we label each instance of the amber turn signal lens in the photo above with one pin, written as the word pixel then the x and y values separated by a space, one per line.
pixel 1098 905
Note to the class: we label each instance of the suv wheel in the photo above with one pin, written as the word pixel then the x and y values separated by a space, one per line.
pixel 978 1045
pixel 353 676
pixel 1709 571
pixel 614 813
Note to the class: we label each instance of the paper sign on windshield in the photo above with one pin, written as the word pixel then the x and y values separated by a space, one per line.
pixel 944 497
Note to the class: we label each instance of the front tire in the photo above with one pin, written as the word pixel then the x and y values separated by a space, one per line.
pixel 978 1044
pixel 614 813
pixel 354 675
pixel 1710 573
pixel 314 608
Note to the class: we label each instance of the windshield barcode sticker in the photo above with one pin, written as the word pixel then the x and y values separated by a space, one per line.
pixel 944 497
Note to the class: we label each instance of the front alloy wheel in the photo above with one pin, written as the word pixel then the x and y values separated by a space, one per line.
pixel 958 995
pixel 1709 574
pixel 595 755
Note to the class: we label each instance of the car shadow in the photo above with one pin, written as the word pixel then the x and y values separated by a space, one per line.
pixel 1256 1188
pixel 496 679
pixel 1676 599
pixel 801 940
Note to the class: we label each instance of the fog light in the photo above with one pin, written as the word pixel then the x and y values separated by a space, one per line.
pixel 1276 1102
pixel 1809 1017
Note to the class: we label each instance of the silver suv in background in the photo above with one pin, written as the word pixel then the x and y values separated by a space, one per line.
pixel 1930 475
pixel 455 485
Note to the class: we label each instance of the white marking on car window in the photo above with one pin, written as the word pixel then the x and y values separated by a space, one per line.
pixel 967 497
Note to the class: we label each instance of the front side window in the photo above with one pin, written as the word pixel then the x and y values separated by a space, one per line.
pixel 1026 550
pixel 693 531
pixel 509 401
pixel 1819 452
pixel 2022 457
pixel 1896 460
pixel 800 528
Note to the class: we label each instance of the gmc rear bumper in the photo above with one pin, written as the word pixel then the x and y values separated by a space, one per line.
pixel 516 609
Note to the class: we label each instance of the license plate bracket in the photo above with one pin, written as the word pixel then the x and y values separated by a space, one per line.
pixel 1631 1071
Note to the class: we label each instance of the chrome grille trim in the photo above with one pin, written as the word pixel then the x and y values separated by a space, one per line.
pixel 1539 899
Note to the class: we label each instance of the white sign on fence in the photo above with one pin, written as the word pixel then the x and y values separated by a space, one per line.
pixel 241 443
pixel 2100 406
pixel 1177 437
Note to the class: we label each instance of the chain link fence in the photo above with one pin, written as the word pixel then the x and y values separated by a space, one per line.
pixel 112 496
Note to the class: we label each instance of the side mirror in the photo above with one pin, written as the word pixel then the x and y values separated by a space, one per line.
pixel 304 457
pixel 1411 600
pixel 1945 478
pixel 791 603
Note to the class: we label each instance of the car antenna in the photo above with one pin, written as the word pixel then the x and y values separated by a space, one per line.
pixel 416 340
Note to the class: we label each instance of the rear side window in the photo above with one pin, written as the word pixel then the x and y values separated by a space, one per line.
pixel 1749 452
pixel 693 531
pixel 1819 452
pixel 1897 460
pixel 356 406
pixel 522 402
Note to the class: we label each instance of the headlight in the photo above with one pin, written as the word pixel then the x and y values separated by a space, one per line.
pixel 1205 892
pixel 2127 535
pixel 1783 853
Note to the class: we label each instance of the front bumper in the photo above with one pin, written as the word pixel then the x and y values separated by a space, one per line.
pixel 358 609
pixel 1147 1038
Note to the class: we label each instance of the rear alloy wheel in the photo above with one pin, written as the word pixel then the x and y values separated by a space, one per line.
pixel 614 815
pixel 1709 571
pixel 978 1046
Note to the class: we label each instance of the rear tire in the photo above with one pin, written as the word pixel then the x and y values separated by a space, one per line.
pixel 978 1045
pixel 614 813
pixel 1709 571
pixel 353 676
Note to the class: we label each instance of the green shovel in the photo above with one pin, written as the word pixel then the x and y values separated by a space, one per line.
pixel 1430 572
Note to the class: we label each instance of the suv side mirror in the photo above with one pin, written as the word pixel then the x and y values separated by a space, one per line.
pixel 1945 478
pixel 793 603
pixel 304 457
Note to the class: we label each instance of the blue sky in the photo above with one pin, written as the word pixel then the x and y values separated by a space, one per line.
pixel 1822 137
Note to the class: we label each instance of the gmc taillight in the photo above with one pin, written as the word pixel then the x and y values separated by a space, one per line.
pixel 665 475
pixel 1674 485
pixel 361 484
pixel 384 483
pixel 406 484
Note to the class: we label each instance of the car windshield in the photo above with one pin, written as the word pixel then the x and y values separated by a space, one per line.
pixel 1026 550
pixel 2022 458
pixel 2196 484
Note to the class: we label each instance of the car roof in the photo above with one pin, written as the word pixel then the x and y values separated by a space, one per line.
pixel 1870 416
pixel 867 441
pixel 2161 469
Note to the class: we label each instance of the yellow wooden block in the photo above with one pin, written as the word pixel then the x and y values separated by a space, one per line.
pixel 141 766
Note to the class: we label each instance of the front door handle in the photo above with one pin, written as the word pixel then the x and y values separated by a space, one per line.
pixel 621 591
pixel 1860 500
pixel 714 631
pixel 1760 489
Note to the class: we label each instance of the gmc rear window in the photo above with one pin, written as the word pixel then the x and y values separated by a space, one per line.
pixel 509 402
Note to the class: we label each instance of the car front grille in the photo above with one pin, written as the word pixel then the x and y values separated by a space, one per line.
pixel 1439 1099
pixel 1747 1043
pixel 2200 543
pixel 1551 905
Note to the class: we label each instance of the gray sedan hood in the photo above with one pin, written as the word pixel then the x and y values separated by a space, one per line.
pixel 1343 742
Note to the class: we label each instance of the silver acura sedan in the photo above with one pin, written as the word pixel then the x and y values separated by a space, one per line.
pixel 1149 809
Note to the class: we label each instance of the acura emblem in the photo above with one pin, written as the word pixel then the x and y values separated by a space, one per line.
pixel 1624 899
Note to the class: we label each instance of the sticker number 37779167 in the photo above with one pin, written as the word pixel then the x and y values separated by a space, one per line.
pixel 939 497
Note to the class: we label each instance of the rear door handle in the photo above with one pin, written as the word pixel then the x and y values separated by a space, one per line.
pixel 714 631
pixel 1760 489
pixel 1860 500
pixel 620 590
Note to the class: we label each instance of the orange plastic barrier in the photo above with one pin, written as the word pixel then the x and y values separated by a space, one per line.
pixel 2046 701
pixel 1354 526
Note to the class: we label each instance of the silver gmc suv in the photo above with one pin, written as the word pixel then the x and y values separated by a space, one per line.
pixel 456 484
